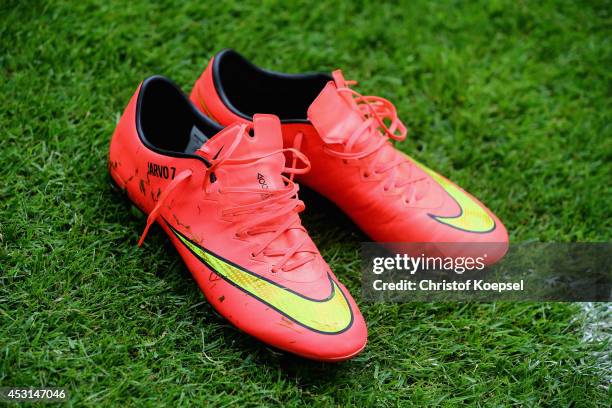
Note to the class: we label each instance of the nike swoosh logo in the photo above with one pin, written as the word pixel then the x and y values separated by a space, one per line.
pixel 471 218
pixel 332 315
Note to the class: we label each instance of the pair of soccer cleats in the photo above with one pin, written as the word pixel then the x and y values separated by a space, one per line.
pixel 218 171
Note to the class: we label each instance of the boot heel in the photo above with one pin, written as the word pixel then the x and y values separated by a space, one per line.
pixel 122 194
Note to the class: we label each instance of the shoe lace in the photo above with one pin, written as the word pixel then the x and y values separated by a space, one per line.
pixel 272 214
pixel 380 125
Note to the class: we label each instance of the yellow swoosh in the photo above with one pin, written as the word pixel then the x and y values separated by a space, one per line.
pixel 472 217
pixel 332 315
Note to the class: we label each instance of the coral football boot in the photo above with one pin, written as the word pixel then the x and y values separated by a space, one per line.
pixel 348 139
pixel 222 198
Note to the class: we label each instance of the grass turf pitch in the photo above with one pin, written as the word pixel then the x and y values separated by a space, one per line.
pixel 509 99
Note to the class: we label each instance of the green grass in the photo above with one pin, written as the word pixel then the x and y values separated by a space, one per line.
pixel 511 99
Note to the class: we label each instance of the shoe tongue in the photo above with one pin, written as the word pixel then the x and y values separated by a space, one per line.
pixel 334 115
pixel 264 173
